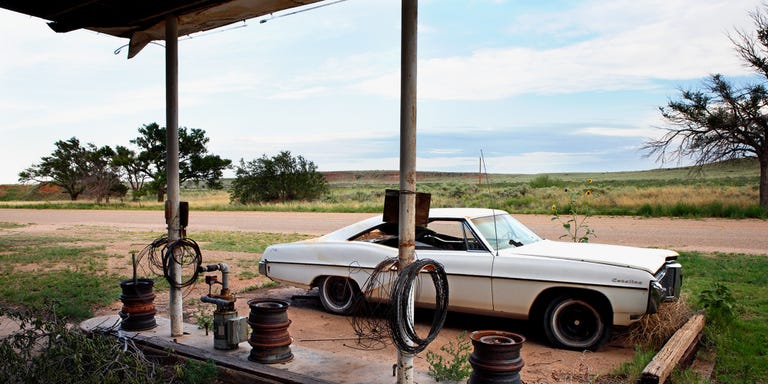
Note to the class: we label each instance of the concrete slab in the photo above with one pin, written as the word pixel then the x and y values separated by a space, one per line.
pixel 307 366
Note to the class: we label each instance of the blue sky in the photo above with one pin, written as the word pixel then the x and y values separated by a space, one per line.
pixel 555 86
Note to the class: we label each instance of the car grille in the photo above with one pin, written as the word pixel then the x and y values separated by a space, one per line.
pixel 671 279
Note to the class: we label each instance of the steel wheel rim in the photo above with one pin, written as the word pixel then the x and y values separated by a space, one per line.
pixel 577 324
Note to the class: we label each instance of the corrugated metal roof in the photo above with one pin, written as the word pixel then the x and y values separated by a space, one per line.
pixel 144 20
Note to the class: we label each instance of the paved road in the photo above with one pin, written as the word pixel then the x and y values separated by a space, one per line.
pixel 711 235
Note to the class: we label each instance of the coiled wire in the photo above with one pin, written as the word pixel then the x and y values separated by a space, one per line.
pixel 403 334
pixel 184 252
pixel 161 254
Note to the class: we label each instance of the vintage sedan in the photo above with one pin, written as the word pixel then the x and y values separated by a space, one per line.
pixel 495 266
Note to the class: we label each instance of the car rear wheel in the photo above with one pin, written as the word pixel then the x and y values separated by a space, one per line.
pixel 340 295
pixel 575 323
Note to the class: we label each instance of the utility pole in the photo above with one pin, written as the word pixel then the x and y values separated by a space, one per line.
pixel 407 208
pixel 172 163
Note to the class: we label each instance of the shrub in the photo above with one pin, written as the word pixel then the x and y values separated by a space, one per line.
pixel 456 366
pixel 280 178
pixel 718 302
pixel 545 181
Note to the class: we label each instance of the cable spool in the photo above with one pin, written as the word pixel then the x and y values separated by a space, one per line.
pixel 401 327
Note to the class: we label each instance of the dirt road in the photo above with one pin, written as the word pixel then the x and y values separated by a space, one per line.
pixel 711 235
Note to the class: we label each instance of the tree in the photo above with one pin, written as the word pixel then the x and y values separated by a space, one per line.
pixel 280 178
pixel 102 178
pixel 723 120
pixel 66 167
pixel 132 169
pixel 194 162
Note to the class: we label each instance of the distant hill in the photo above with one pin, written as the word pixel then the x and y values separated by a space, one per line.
pixel 31 192
pixel 737 168
pixel 731 169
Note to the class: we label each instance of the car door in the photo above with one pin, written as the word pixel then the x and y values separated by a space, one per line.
pixel 467 263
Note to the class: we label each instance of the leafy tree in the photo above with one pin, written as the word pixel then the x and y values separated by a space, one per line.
pixel 194 162
pixel 280 178
pixel 723 120
pixel 102 178
pixel 132 169
pixel 66 167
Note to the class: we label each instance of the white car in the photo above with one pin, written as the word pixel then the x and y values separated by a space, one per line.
pixel 495 266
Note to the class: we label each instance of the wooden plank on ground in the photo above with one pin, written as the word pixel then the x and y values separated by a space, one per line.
pixel 678 346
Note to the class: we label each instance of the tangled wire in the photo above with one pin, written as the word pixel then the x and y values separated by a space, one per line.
pixel 396 324
pixel 161 255
pixel 370 321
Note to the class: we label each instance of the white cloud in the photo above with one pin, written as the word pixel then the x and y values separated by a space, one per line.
pixel 300 93
pixel 630 44
pixel 445 151
pixel 621 132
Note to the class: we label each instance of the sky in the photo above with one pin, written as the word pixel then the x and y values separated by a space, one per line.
pixel 535 86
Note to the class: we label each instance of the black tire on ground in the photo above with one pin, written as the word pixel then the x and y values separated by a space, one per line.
pixel 575 323
pixel 340 295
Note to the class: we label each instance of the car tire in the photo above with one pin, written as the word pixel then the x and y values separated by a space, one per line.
pixel 340 295
pixel 575 323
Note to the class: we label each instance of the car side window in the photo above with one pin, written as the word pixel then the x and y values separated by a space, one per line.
pixel 451 235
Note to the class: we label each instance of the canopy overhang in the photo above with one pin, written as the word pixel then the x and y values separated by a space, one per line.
pixel 143 21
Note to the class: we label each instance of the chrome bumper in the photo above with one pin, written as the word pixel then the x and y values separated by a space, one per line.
pixel 263 268
pixel 666 286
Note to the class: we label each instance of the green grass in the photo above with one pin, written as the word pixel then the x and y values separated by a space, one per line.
pixel 728 189
pixel 252 242
pixel 44 270
pixel 733 290
pixel 74 293
pixel 741 343
pixel 4 225
pixel 267 284
pixel 632 370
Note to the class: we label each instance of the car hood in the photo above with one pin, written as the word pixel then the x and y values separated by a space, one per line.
pixel 648 259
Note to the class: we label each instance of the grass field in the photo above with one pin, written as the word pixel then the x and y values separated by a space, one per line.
pixel 728 189
pixel 70 273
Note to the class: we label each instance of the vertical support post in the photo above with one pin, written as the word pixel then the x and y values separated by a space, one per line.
pixel 407 208
pixel 172 162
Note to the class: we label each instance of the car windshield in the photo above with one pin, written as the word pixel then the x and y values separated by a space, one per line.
pixel 503 231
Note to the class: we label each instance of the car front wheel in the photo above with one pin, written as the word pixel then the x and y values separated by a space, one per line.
pixel 575 323
pixel 340 295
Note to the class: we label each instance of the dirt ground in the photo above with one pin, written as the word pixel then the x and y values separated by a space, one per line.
pixel 313 328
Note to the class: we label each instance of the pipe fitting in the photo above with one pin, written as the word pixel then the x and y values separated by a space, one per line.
pixel 222 304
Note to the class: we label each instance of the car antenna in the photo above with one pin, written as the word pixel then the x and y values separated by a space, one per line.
pixel 484 170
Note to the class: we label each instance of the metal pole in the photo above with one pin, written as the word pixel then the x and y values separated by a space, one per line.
pixel 407 208
pixel 172 162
